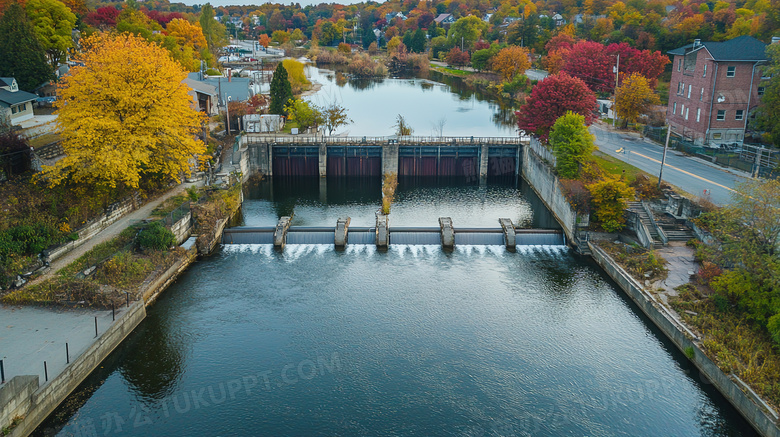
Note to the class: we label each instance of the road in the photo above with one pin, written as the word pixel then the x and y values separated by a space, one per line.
pixel 692 175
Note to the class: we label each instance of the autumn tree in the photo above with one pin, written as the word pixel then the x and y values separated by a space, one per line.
pixel 590 62
pixel 572 144
pixel 467 31
pixel 756 203
pixel 457 57
pixel 511 61
pixel 295 75
pixel 21 54
pixel 304 114
pixel 281 91
pixel 187 44
pixel 768 112
pixel 610 197
pixel 264 40
pixel 53 23
pixel 550 99
pixel 402 127
pixel 102 18
pixel 214 31
pixel 335 116
pixel 634 97
pixel 125 115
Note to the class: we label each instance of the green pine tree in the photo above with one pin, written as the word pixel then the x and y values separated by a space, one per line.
pixel 281 91
pixel 21 54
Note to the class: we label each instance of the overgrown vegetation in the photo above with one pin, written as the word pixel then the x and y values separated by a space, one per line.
pixel 737 345
pixel 641 263
pixel 389 185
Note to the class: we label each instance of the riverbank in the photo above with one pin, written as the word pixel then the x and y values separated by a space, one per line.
pixel 65 351
pixel 761 416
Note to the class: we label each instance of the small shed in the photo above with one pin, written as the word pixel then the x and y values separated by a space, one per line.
pixel 259 123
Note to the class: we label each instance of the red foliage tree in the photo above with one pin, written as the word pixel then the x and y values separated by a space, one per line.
pixel 103 17
pixel 162 17
pixel 560 41
pixel 589 61
pixel 458 57
pixel 550 99
pixel 481 44
pixel 648 64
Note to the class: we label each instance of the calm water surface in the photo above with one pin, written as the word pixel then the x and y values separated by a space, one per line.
pixel 413 341
pixel 374 104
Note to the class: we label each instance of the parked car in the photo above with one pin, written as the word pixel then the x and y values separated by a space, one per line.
pixel 46 101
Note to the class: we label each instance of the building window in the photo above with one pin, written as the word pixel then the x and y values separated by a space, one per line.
pixel 680 87
pixel 679 64
pixel 686 113
pixel 690 87
pixel 674 108
pixel 698 115
pixel 701 96
pixel 705 71
pixel 721 115
pixel 739 114
pixel 716 136
pixel 731 71
pixel 682 109
pixel 760 91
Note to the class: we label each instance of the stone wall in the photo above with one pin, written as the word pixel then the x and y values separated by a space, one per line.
pixel 730 386
pixel 41 402
pixel 182 229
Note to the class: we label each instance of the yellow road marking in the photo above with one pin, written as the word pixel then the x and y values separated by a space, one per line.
pixel 683 171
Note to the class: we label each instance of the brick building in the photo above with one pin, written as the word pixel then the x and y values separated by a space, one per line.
pixel 713 89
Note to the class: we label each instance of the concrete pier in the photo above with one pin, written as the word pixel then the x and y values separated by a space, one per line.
pixel 382 231
pixel 323 160
pixel 390 158
pixel 509 233
pixel 447 233
pixel 342 227
pixel 280 233
pixel 483 163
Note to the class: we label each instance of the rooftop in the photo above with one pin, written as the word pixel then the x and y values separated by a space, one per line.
pixel 16 97
pixel 743 48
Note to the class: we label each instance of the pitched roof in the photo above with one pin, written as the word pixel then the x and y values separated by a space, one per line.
pixel 743 48
pixel 16 97
pixel 201 87
pixel 442 17
pixel 6 81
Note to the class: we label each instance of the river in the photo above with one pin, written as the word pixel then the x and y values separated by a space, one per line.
pixel 412 341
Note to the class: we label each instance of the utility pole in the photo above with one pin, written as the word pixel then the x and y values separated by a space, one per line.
pixel 663 158
pixel 227 117
pixel 614 106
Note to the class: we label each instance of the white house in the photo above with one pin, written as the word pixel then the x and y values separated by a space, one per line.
pixel 16 104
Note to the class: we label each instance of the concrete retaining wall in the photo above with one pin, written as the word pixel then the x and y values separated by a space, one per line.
pixel 182 229
pixel 42 402
pixel 758 416
pixel 161 283
pixel 114 213
pixel 15 397
pixel 543 181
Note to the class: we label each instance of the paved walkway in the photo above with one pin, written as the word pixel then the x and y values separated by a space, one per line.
pixel 680 264
pixel 31 335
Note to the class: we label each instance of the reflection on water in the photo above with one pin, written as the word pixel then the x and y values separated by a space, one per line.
pixel 412 341
pixel 373 105
pixel 418 202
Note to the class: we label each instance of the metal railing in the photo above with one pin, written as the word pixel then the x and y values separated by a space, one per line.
pixel 745 157
pixel 255 139
pixel 176 215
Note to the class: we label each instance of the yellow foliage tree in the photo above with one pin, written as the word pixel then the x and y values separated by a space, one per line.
pixel 634 97
pixel 187 34
pixel 124 115
pixel 511 61
pixel 296 75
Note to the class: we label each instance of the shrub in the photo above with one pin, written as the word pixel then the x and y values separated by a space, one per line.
pixel 156 236
pixel 645 188
pixel 344 48
pixel 364 66
pixel 331 57
pixel 193 193
pixel 610 197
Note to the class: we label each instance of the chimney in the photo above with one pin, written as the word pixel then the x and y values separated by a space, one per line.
pixel 775 39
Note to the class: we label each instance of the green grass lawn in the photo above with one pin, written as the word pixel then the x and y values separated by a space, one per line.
pixel 44 140
pixel 617 167
pixel 448 70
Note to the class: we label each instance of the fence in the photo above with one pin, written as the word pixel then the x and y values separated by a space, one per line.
pixel 388 140
pixel 743 157
pixel 176 215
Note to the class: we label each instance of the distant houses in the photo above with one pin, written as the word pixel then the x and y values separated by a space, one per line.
pixel 16 105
